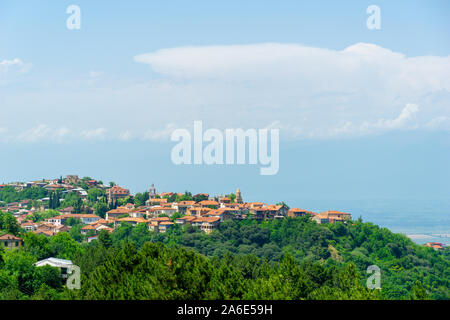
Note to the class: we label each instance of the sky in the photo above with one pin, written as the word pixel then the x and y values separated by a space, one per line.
pixel 363 114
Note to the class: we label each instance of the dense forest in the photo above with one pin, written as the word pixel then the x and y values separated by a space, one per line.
pixel 278 259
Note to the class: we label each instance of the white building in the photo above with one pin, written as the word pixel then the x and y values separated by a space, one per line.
pixel 85 218
pixel 62 264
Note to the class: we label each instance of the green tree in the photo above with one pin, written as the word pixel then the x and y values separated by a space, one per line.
pixel 63 246
pixel 48 276
pixel 9 223
pixel 104 238
pixel 418 292
pixel 140 198
pixel 94 194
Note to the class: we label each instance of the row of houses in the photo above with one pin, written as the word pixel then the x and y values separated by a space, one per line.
pixel 206 214
pixel 52 184
pixel 206 219
pixel 255 210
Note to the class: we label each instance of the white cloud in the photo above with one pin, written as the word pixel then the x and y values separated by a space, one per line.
pixel 439 123
pixel 404 117
pixel 160 134
pixel 94 134
pixel 125 135
pixel 42 132
pixel 34 134
pixel 14 64
pixel 46 133
pixel 312 92
pixel 321 70
pixel 61 133
pixel 402 121
pixel 307 92
pixel 10 69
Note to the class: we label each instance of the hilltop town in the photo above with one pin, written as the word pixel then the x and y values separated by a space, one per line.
pixel 51 227
pixel 50 206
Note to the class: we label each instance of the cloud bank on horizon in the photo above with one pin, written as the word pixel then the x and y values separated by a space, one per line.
pixel 306 92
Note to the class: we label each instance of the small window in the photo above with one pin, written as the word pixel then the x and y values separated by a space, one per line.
pixel 17 243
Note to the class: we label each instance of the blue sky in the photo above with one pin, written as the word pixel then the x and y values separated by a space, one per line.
pixel 363 114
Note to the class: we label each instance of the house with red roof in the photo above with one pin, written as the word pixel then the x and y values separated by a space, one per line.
pixel 10 241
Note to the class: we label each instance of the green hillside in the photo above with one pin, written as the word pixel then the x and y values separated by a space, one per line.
pixel 278 259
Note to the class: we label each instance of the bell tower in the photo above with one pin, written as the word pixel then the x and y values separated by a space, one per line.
pixel 238 196
pixel 152 192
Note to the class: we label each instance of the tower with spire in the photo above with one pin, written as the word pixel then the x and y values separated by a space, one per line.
pixel 152 192
pixel 238 196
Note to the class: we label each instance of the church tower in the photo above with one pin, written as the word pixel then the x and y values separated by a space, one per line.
pixel 238 196
pixel 152 192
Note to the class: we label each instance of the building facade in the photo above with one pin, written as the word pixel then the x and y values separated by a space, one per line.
pixel 10 241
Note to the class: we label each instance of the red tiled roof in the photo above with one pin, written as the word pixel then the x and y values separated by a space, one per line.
pixel 160 219
pixel 76 216
pixel 129 219
pixel 9 237
pixel 186 203
pixel 209 203
pixel 88 227
pixel 118 190
pixel 119 210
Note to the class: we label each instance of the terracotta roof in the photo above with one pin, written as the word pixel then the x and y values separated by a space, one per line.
pixel 158 200
pixel 129 219
pixel 76 216
pixel 9 237
pixel 219 212
pixel 160 219
pixel 274 207
pixel 297 210
pixel 210 219
pixel 161 208
pixel 260 208
pixel 54 186
pixel 110 230
pixel 88 227
pixel 46 232
pixel 201 194
pixel 209 203
pixel 99 221
pixel 199 210
pixel 206 219
pixel 186 203
pixel 334 212
pixel 187 218
pixel 119 210
pixel 28 223
pixel 118 190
